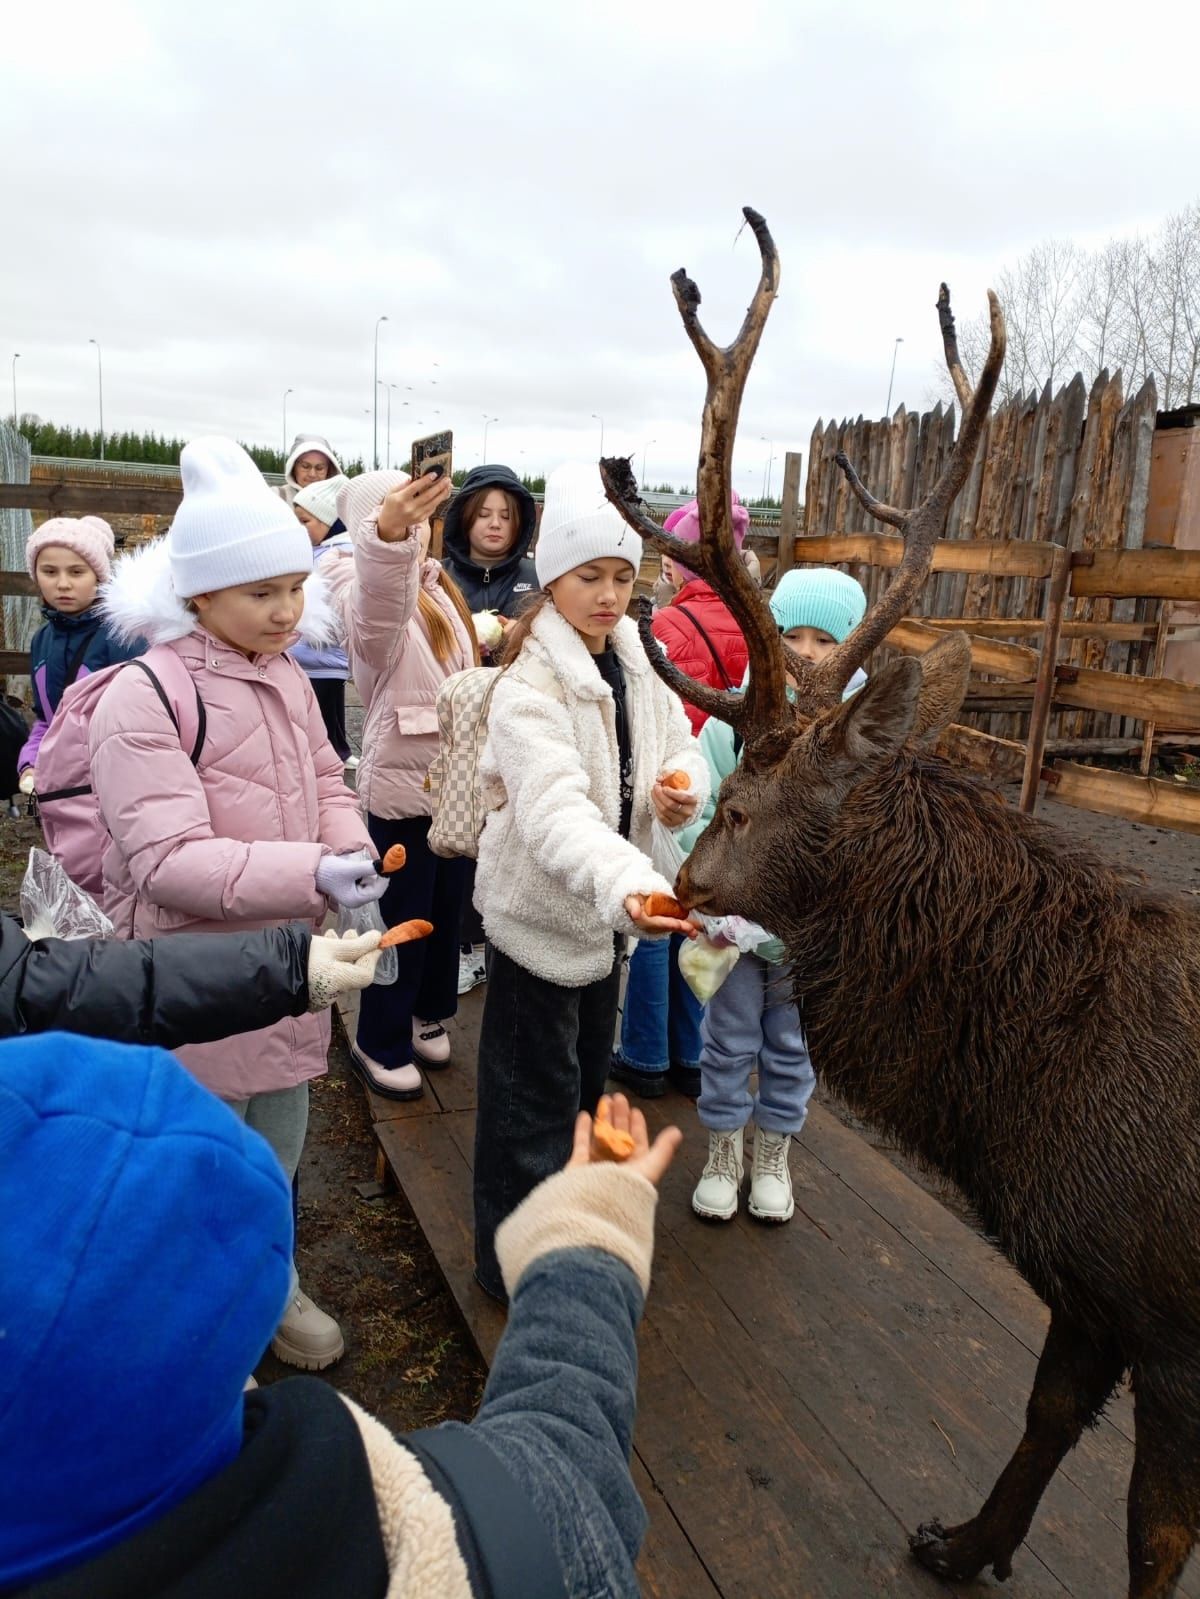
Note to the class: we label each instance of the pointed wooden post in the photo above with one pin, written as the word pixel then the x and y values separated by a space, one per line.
pixel 789 516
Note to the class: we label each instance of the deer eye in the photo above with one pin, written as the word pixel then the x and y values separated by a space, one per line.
pixel 736 817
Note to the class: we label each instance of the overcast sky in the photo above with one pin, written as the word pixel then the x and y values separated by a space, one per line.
pixel 228 196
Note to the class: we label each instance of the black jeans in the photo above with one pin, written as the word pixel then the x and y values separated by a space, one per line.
pixel 544 1054
pixel 330 693
pixel 427 986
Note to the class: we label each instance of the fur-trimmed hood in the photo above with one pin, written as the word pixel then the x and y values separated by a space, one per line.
pixel 141 603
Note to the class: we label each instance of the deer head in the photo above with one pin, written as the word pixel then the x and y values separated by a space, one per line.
pixel 804 750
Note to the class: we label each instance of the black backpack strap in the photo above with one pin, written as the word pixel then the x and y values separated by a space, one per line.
pixel 201 713
pixel 511 1547
pixel 712 648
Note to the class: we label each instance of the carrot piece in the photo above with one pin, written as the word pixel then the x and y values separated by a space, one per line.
pixel 394 859
pixel 405 933
pixel 609 1142
pixel 675 780
pixel 663 905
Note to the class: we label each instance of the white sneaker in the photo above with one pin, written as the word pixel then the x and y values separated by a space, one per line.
pixel 393 1082
pixel 431 1043
pixel 716 1195
pixel 471 970
pixel 770 1178
pixel 307 1337
pixel 350 764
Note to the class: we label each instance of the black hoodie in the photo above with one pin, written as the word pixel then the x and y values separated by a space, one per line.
pixel 506 586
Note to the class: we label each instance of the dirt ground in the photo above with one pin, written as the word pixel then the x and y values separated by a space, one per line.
pixel 408 1357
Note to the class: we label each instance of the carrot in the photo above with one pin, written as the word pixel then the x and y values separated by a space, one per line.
pixel 394 859
pixel 675 780
pixel 405 933
pixel 609 1142
pixel 663 905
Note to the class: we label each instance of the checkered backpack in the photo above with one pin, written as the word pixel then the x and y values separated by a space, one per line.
pixel 461 797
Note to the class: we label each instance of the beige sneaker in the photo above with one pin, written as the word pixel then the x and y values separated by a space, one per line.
pixel 716 1195
pixel 307 1337
pixel 770 1178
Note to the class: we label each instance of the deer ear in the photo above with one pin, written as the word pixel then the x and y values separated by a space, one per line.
pixel 880 718
pixel 944 673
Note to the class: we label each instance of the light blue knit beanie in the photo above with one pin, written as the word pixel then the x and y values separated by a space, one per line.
pixel 820 597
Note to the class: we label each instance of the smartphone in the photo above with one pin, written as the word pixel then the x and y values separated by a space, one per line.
pixel 432 455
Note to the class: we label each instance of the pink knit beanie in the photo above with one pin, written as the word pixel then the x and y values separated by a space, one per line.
pixel 90 537
pixel 685 523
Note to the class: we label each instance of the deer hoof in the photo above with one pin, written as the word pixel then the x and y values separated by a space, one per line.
pixel 951 1553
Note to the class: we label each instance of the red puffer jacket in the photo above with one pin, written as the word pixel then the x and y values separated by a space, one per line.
pixel 684 643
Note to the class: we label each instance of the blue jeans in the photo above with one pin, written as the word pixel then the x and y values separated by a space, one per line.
pixel 751 1021
pixel 660 1025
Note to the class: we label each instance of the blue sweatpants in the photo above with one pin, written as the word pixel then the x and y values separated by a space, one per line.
pixel 751 1022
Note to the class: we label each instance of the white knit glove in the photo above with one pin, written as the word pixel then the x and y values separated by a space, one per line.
pixel 340 965
pixel 349 881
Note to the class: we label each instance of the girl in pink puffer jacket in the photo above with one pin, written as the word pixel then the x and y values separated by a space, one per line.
pixel 253 834
pixel 408 630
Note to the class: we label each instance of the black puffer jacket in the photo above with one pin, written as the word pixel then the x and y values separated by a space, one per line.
pixel 506 586
pixel 191 988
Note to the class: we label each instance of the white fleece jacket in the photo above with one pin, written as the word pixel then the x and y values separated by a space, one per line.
pixel 553 871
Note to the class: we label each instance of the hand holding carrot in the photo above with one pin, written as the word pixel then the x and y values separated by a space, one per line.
pixel 650 914
pixel 674 803
pixel 651 1160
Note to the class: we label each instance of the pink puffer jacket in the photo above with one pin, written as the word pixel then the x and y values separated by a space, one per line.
pixel 229 845
pixel 391 657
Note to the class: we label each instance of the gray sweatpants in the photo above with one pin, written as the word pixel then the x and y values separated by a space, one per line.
pixel 751 1022
pixel 282 1119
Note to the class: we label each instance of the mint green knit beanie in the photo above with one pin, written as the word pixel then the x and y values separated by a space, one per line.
pixel 820 597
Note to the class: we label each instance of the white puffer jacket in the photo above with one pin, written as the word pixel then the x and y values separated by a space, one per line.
pixel 553 870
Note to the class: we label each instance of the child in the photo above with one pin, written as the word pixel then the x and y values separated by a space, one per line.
pixel 254 834
pixel 326 667
pixel 660 1024
pixel 580 731
pixel 751 1022
pixel 131 1460
pixel 489 527
pixel 69 559
pixel 408 630
pixel 310 460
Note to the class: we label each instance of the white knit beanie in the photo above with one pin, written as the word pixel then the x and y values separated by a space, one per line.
pixel 319 499
pixel 230 528
pixel 579 524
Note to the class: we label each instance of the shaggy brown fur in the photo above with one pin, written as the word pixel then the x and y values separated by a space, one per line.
pixel 1028 1023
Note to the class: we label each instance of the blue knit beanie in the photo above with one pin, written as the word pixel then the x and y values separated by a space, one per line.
pixel 820 597
pixel 145 1251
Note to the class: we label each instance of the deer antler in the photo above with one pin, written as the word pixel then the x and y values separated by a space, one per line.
pixel 765 703
pixel 922 526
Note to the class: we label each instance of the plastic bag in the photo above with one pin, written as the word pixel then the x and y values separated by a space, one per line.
pixel 665 851
pixel 744 935
pixel 369 919
pixel 52 906
pixel 704 965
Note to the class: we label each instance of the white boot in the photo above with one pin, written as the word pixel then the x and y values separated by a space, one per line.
pixel 392 1082
pixel 770 1178
pixel 716 1195
pixel 307 1337
pixel 431 1043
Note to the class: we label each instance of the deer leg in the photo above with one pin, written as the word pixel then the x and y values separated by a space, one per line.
pixel 1075 1377
pixel 1164 1491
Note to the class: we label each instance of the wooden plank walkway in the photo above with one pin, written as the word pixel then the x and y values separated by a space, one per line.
pixel 807 1393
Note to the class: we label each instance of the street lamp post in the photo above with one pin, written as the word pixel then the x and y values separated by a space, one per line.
pixel 375 426
pixel 645 447
pixel 100 381
pixel 487 422
pixel 389 387
pixel 286 392
pixel 15 359
pixel 887 410
pixel 596 417
pixel 767 474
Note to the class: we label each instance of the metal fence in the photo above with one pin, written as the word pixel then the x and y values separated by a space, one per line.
pixel 21 616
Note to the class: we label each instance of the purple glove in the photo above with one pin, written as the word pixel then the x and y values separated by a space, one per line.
pixel 349 881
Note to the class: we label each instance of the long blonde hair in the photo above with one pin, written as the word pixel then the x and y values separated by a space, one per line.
pixel 442 636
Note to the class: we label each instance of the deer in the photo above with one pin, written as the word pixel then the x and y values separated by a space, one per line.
pixel 1011 1010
